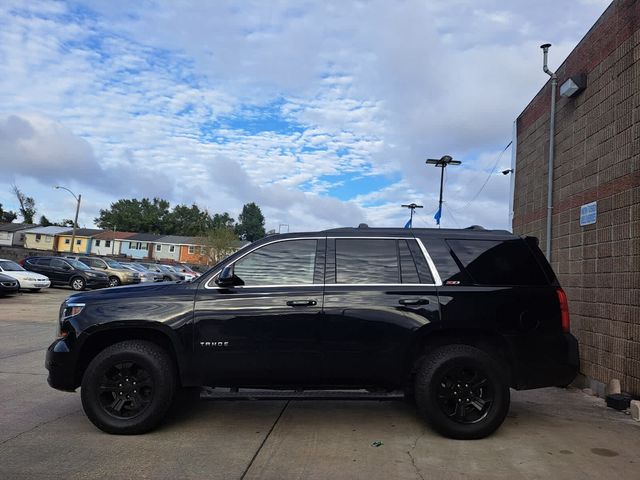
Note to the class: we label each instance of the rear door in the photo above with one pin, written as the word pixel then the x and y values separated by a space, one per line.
pixel 378 292
pixel 61 270
pixel 265 330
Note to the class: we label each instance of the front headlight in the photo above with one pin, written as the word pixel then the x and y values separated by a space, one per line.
pixel 67 311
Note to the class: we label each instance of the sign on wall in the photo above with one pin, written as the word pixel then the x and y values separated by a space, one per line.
pixel 588 213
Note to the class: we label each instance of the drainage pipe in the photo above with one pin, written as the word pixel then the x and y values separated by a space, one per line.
pixel 552 135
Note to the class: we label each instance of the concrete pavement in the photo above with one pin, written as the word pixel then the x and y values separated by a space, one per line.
pixel 549 433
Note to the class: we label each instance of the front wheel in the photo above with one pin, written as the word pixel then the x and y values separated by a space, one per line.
pixel 114 281
pixel 128 387
pixel 78 283
pixel 462 391
pixel 166 279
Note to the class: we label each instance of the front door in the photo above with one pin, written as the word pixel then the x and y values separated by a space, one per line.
pixel 264 330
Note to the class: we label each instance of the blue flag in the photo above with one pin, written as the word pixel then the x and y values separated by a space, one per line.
pixel 437 216
pixel 408 224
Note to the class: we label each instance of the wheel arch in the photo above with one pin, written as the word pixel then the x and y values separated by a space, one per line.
pixel 426 340
pixel 101 338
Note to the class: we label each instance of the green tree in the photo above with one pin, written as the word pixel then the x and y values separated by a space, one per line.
pixel 143 216
pixel 223 220
pixel 27 205
pixel 44 221
pixel 250 223
pixel 190 221
pixel 7 216
pixel 220 242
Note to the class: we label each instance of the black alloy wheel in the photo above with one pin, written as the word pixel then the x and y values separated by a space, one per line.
pixel 128 387
pixel 462 391
pixel 126 390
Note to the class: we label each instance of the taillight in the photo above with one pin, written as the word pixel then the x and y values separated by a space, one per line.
pixel 564 310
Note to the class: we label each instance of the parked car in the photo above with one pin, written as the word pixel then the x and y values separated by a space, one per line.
pixel 26 280
pixel 189 273
pixel 168 275
pixel 67 271
pixel 118 275
pixel 452 317
pixel 145 275
pixel 8 285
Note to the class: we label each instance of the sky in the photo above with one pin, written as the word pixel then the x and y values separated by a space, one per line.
pixel 323 113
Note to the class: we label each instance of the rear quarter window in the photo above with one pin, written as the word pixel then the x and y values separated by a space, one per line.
pixel 496 262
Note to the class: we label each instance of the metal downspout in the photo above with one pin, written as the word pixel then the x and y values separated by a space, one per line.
pixel 552 135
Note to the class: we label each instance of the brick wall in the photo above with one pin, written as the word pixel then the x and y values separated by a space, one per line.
pixel 597 159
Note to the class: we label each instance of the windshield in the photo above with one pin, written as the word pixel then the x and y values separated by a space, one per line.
pixel 137 267
pixel 77 264
pixel 9 266
pixel 113 264
pixel 165 269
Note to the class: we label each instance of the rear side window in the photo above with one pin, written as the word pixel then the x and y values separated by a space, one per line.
pixel 363 261
pixel 494 262
pixel 45 262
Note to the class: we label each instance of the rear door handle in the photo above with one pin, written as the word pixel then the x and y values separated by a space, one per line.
pixel 301 303
pixel 413 301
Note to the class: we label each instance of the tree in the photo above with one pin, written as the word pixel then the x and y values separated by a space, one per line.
pixel 220 243
pixel 27 205
pixel 144 216
pixel 189 221
pixel 250 223
pixel 44 221
pixel 7 216
pixel 223 220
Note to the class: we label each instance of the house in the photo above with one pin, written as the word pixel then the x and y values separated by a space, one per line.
pixel 43 238
pixel 139 245
pixel 83 238
pixel 12 234
pixel 168 247
pixel 109 242
pixel 196 252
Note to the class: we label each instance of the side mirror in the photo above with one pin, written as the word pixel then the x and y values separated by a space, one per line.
pixel 226 277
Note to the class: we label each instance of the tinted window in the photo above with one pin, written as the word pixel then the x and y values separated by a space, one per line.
pixel 282 263
pixel 445 264
pixel 45 262
pixel 491 262
pixel 408 269
pixel 366 261
pixel 58 263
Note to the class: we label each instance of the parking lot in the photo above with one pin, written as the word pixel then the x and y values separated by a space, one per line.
pixel 549 433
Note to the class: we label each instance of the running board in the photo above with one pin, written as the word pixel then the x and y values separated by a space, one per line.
pixel 208 393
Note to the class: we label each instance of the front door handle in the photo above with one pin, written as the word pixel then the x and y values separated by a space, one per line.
pixel 413 301
pixel 301 303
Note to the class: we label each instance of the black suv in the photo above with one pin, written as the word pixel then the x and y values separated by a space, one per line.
pixel 67 271
pixel 452 317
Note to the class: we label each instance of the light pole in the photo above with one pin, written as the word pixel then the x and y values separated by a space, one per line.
pixel 412 207
pixel 75 222
pixel 441 163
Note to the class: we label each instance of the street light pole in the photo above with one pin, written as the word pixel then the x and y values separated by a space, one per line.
pixel 441 163
pixel 412 207
pixel 75 221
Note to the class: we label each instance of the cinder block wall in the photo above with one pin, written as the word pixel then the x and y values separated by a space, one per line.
pixel 597 159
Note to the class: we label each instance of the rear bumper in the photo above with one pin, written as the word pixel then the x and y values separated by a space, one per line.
pixel 543 361
pixel 61 365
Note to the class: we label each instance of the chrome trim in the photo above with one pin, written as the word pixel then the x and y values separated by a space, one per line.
pixel 432 267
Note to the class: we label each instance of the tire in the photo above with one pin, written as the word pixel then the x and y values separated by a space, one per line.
pixel 114 282
pixel 166 279
pixel 145 373
pixel 462 391
pixel 78 283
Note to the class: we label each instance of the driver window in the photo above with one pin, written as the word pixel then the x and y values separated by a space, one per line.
pixel 289 262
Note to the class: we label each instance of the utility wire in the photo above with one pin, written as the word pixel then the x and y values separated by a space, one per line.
pixel 488 177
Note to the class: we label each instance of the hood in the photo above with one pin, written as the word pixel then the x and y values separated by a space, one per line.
pixel 20 275
pixel 128 291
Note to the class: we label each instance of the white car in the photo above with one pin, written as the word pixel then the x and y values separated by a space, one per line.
pixel 26 280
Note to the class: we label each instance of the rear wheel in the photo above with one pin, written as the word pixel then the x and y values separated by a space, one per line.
pixel 114 281
pixel 78 283
pixel 128 387
pixel 462 391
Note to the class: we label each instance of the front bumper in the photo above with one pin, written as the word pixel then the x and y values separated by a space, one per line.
pixel 543 361
pixel 98 282
pixel 28 284
pixel 61 365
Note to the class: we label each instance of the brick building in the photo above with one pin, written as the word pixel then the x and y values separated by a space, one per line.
pixel 597 149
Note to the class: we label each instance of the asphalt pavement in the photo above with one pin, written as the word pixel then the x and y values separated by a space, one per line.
pixel 549 433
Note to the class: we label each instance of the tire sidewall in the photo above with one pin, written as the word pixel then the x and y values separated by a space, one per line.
pixel 426 391
pixel 163 379
pixel 73 281
pixel 114 281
